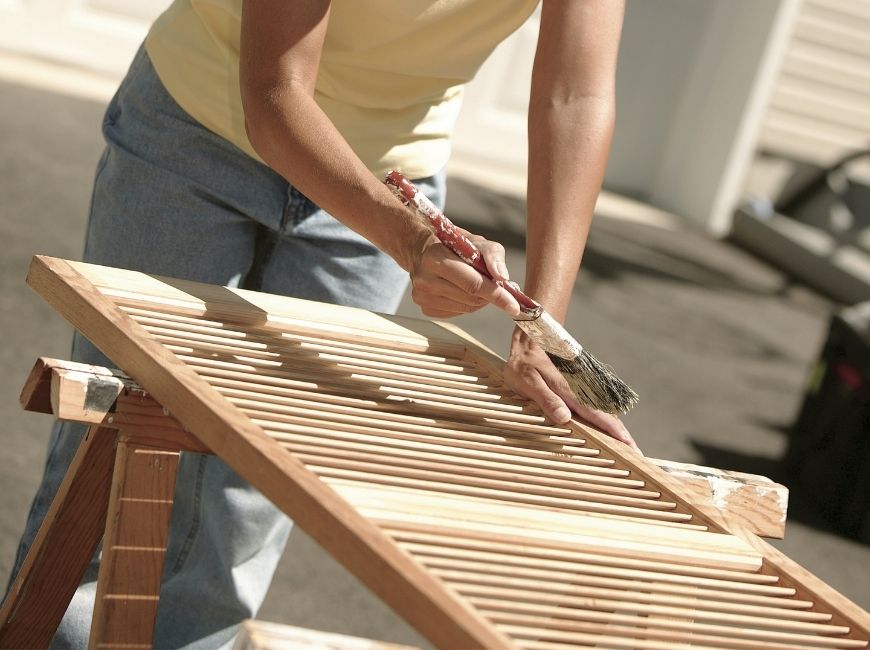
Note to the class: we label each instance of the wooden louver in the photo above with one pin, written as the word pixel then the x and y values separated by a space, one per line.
pixel 394 444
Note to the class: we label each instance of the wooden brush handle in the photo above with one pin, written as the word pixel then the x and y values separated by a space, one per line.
pixel 449 235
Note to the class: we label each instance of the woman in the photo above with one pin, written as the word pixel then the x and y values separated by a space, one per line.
pixel 247 146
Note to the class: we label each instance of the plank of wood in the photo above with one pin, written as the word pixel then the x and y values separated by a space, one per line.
pixel 269 311
pixel 366 551
pixel 754 501
pixel 63 547
pixel 609 536
pixel 66 389
pixel 262 635
pixel 36 393
pixel 534 631
pixel 549 617
pixel 134 546
pixel 84 397
pixel 528 589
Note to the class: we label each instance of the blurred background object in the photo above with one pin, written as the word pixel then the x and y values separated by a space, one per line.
pixel 818 228
pixel 828 457
pixel 696 285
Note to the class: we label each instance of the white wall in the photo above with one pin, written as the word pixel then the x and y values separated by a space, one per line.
pixel 660 41
pixel 718 117
pixel 692 85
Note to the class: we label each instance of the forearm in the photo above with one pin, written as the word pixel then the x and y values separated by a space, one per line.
pixel 571 116
pixel 568 147
pixel 293 136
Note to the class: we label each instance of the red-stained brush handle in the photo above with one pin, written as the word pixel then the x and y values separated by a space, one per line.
pixel 449 235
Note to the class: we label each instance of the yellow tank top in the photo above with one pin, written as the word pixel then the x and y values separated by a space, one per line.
pixel 390 77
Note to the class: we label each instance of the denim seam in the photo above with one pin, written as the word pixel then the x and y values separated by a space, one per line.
pixel 297 207
pixel 196 518
pixel 285 215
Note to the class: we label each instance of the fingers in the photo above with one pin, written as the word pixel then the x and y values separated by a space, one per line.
pixel 538 390
pixel 532 374
pixel 526 378
pixel 609 424
pixel 441 306
pixel 444 285
pixel 605 422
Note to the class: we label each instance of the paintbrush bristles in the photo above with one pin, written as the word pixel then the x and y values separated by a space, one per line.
pixel 595 384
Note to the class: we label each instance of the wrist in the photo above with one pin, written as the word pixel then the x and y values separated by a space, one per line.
pixel 404 236
pixel 411 245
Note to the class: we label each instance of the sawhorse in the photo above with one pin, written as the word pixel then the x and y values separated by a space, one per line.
pixel 119 489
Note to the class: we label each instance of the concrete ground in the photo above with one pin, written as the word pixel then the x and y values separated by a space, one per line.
pixel 718 344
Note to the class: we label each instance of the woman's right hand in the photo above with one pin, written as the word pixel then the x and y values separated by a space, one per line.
pixel 444 286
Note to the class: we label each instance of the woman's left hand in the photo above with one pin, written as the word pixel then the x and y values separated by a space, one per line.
pixel 531 374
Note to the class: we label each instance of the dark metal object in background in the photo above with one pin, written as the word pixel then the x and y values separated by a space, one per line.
pixel 835 198
pixel 828 458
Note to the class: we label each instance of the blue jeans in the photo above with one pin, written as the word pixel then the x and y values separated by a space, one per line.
pixel 172 198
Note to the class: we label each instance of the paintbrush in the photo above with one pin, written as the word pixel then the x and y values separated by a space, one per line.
pixel 593 383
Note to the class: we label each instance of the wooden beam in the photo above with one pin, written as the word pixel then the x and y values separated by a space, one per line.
pixel 756 502
pixel 63 547
pixel 134 546
pixel 36 394
pixel 260 635
pixel 79 392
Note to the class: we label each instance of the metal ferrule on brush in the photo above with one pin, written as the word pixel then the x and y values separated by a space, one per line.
pixel 546 331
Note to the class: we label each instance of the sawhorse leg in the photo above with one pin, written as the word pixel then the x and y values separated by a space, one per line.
pixel 119 488
pixel 63 547
pixel 134 545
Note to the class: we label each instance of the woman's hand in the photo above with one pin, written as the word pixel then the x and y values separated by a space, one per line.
pixel 531 374
pixel 444 286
